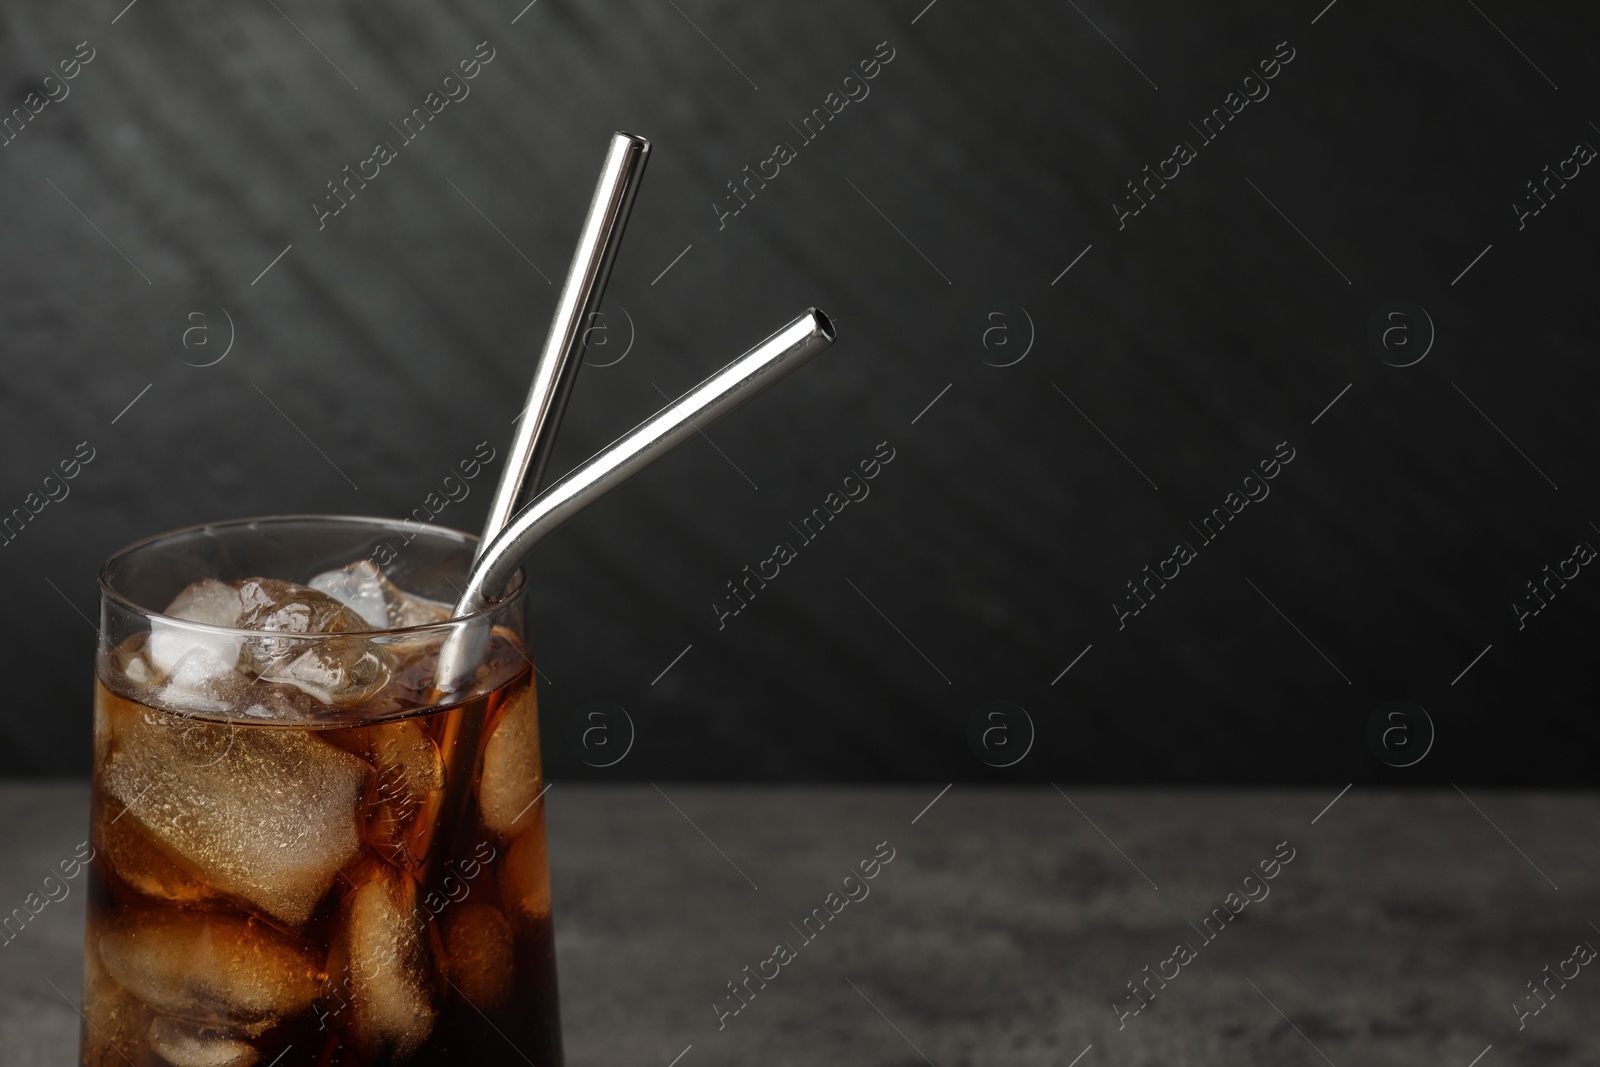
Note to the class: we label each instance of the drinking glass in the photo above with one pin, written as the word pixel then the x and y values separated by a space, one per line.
pixel 304 853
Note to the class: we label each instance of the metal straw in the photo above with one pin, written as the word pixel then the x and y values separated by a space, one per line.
pixel 580 298
pixel 707 402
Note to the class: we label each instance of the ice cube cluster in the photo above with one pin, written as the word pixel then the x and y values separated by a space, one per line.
pixel 194 658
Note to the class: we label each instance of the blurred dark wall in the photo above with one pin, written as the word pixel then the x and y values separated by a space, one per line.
pixel 933 218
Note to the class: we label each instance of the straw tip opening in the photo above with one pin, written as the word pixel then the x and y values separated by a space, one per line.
pixel 824 324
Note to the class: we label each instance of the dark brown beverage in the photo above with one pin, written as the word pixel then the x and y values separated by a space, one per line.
pixel 279 880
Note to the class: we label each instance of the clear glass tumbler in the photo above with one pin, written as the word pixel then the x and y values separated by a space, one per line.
pixel 304 855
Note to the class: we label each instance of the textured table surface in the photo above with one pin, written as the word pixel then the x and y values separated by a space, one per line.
pixel 1005 926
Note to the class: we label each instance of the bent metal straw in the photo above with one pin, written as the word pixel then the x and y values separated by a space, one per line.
pixel 581 293
pixel 727 389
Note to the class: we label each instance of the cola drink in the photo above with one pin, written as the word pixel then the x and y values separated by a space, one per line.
pixel 303 853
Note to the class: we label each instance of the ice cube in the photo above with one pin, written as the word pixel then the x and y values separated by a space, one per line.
pixel 270 821
pixel 130 855
pixel 362 588
pixel 202 683
pixel 184 1045
pixel 196 742
pixel 212 969
pixel 210 602
pixel 358 587
pixel 414 610
pixel 380 971
pixel 407 792
pixel 128 665
pixel 512 779
pixel 114 1020
pixel 284 703
pixel 478 954
pixel 111 712
pixel 284 607
pixel 408 762
pixel 525 880
pixel 340 671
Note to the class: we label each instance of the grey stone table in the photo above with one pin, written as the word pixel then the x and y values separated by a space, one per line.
pixel 1007 926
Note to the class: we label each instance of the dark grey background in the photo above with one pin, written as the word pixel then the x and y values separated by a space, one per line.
pixel 1214 326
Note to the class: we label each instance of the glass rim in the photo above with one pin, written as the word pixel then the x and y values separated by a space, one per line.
pixel 493 608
